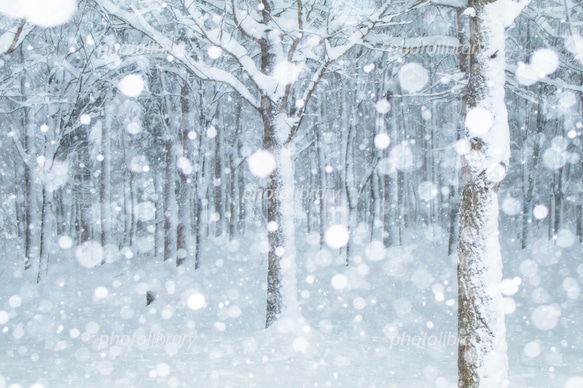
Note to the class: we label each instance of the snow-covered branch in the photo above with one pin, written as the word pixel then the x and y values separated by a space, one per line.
pixel 197 67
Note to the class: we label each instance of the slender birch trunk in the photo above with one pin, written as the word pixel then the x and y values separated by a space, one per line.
pixel 184 248
pixel 105 187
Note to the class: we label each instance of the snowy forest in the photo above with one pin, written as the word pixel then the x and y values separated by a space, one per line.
pixel 291 193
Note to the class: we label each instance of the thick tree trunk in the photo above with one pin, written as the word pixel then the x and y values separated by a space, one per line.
pixel 454 197
pixel 281 271
pixel 482 350
pixel 275 238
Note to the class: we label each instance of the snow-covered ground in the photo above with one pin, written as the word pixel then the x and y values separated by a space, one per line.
pixel 387 320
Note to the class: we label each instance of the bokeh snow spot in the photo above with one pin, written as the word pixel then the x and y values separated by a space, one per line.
pixel 382 141
pixel 413 77
pixel 511 206
pixel 261 163
pixel 65 242
pixel 339 281
pixel 131 85
pixel 336 236
pixel 427 190
pixel 479 121
pixel 89 254
pixel 540 212
pixel 546 317
pixel 214 52
pixel 532 349
pixel 196 301
pixel 383 106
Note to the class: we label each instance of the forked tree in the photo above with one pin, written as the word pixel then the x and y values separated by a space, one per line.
pixel 273 53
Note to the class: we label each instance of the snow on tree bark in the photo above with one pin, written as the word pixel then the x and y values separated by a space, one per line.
pixel 482 350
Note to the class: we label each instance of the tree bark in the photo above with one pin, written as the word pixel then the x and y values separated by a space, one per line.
pixel 105 187
pixel 184 248
pixel 482 350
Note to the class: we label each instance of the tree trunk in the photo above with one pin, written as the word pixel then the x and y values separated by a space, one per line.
pixel 45 234
pixel 105 187
pixel 275 238
pixel 169 203
pixel 528 198
pixel 482 350
pixel 184 249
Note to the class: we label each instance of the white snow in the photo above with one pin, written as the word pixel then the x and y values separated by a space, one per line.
pixel 89 254
pixel 261 163
pixel 554 158
pixel 196 301
pixel 139 164
pixel 272 226
pixel 214 52
pixel 300 344
pixel 131 85
pixel 134 128
pixel 508 287
pixel 65 242
pixel 426 114
pixel 546 317
pixel 336 236
pixel 382 141
pixel 540 212
pixel 339 281
pixel 532 349
pixel 574 382
pixel 211 132
pixel 572 288
pixel 462 147
pixel 85 119
pixel 511 206
pixel 368 68
pixel 184 165
pixel 401 156
pixel 544 62
pixel 413 77
pixel 4 317
pixel 479 121
pixel 100 292
pixel 359 303
pixel 15 301
pixel 565 238
pixel 286 73
pixel 508 305
pixel 43 13
pixel 383 106
pixel 162 369
pixel 427 190
pixel 145 211
pixel 574 43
